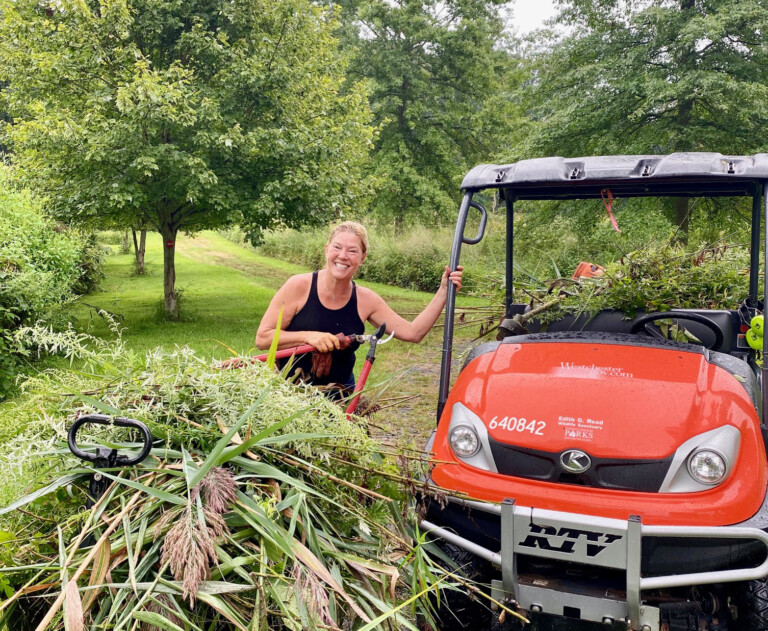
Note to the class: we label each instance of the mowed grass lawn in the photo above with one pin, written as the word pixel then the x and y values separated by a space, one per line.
pixel 225 289
pixel 217 302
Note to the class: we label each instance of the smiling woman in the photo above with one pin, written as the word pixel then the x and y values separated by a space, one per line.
pixel 324 307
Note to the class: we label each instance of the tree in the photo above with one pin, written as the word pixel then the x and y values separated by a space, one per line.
pixel 441 82
pixel 191 115
pixel 658 77
pixel 139 249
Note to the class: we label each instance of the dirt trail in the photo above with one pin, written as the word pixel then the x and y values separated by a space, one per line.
pixel 205 249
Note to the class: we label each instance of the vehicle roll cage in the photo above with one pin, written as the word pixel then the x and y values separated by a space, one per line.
pixel 674 175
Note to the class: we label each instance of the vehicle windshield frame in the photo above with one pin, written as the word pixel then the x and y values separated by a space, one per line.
pixel 674 175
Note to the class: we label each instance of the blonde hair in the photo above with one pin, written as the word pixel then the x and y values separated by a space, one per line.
pixel 356 229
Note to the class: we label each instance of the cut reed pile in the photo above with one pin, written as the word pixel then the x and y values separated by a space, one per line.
pixel 259 507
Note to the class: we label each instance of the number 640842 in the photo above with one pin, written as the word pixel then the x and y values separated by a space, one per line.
pixel 514 424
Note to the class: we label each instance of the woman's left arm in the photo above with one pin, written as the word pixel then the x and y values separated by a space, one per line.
pixel 416 330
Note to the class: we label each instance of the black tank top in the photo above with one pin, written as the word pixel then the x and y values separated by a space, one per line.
pixel 314 316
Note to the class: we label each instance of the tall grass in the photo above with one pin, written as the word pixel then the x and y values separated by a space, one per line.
pixel 551 238
pixel 413 260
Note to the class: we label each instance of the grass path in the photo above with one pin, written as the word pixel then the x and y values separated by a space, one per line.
pixel 225 290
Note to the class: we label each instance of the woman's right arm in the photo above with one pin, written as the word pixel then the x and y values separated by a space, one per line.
pixel 288 297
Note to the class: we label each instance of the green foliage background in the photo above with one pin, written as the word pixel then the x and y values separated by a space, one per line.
pixel 442 90
pixel 43 266
pixel 183 116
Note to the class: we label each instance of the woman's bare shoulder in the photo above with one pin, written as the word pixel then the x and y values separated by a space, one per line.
pixel 365 293
pixel 299 280
pixel 297 285
pixel 368 300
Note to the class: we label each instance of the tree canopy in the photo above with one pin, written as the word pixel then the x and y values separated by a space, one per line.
pixel 652 77
pixel 183 115
pixel 442 78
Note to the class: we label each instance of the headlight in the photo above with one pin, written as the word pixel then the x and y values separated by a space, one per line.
pixel 468 438
pixel 707 466
pixel 464 441
pixel 703 461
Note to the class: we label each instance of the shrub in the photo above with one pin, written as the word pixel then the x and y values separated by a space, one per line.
pixel 551 238
pixel 412 261
pixel 303 247
pixel 42 266
pixel 91 266
pixel 660 278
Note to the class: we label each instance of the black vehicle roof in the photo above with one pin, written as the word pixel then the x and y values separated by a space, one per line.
pixel 677 174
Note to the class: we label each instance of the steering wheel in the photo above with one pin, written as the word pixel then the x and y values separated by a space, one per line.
pixel 641 325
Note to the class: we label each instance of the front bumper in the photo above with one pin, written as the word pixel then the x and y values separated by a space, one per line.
pixel 610 544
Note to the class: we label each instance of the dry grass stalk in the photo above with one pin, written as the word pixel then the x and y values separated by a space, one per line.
pixel 73 608
pixel 87 561
pixel 312 469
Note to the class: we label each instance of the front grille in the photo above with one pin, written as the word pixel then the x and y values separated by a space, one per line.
pixel 606 473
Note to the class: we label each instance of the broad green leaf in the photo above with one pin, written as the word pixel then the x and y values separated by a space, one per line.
pixel 215 453
pixel 99 405
pixel 175 587
pixel 50 488
pixel 156 493
pixel 262 438
pixel 275 340
pixel 156 620
pixel 401 621
pixel 374 624
pixel 223 608
pixel 188 466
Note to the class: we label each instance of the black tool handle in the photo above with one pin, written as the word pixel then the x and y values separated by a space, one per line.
pixel 99 457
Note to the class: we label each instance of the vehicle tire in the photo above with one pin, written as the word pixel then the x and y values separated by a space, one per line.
pixel 752 605
pixel 460 610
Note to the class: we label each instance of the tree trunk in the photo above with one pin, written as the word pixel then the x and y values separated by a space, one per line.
pixel 169 271
pixel 682 217
pixel 140 247
pixel 681 205
pixel 126 242
pixel 682 142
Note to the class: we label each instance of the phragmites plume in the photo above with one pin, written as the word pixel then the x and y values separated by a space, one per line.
pixel 313 594
pixel 189 549
pixel 218 489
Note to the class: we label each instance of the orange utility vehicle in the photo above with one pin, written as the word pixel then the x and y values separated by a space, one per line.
pixel 611 478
